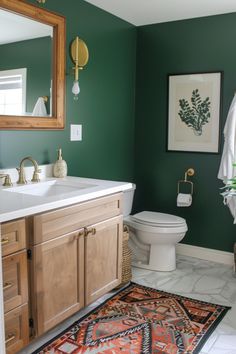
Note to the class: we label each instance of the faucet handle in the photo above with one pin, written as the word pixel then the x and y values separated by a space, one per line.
pixel 7 181
pixel 35 177
pixel 21 179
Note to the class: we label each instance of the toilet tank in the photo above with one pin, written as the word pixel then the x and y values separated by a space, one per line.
pixel 128 197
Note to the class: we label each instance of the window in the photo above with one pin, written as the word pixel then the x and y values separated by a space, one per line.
pixel 13 92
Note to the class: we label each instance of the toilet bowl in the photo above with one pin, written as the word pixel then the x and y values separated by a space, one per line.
pixel 153 236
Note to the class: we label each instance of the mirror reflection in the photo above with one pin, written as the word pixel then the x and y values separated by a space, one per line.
pixel 26 52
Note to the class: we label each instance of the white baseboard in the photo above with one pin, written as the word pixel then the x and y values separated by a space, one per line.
pixel 205 253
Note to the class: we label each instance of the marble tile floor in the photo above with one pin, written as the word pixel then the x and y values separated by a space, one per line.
pixel 199 279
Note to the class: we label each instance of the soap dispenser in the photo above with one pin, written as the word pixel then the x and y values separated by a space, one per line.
pixel 60 166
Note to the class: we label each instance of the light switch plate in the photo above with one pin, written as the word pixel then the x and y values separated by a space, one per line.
pixel 75 132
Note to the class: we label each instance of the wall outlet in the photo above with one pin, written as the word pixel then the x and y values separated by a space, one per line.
pixel 75 132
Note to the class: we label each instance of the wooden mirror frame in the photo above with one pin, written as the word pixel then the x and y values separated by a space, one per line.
pixel 56 121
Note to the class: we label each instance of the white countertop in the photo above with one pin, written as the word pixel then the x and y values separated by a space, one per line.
pixel 15 205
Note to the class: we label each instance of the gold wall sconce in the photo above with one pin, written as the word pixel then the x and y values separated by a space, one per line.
pixel 80 56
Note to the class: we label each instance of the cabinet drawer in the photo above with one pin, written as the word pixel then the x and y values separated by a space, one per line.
pixel 15 288
pixel 59 222
pixel 13 237
pixel 16 329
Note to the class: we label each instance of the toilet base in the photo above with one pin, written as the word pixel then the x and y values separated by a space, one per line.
pixel 162 258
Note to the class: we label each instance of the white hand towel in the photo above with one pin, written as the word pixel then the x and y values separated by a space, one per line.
pixel 40 108
pixel 184 200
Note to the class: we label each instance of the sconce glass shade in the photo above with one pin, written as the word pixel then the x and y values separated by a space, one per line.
pixel 76 89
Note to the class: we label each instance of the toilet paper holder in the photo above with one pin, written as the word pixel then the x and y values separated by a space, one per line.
pixel 190 172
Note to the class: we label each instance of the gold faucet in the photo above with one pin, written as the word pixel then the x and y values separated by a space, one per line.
pixel 22 179
pixel 7 181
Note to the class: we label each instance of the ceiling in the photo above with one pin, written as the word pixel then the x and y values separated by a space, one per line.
pixel 144 12
pixel 14 28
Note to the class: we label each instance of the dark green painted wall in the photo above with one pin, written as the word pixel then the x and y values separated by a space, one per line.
pixel 35 56
pixel 197 45
pixel 106 103
pixel 106 110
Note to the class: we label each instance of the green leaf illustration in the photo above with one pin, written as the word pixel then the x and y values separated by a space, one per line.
pixel 196 115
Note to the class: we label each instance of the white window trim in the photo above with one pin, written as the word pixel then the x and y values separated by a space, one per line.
pixel 23 73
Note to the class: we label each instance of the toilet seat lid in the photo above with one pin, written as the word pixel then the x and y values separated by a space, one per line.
pixel 160 219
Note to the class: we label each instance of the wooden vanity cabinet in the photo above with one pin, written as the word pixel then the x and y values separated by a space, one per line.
pixel 76 258
pixel 15 285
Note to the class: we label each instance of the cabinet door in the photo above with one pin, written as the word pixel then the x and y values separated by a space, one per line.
pixel 58 280
pixel 103 249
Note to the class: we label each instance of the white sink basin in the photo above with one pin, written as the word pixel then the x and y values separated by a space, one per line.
pixel 50 188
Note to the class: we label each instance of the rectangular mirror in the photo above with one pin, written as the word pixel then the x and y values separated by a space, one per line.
pixel 32 67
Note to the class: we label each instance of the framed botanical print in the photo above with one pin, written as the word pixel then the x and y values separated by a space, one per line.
pixel 194 112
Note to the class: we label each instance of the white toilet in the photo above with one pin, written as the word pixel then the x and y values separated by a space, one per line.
pixel 153 236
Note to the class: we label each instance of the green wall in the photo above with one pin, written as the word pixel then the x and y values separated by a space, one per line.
pixel 35 55
pixel 106 110
pixel 105 107
pixel 196 45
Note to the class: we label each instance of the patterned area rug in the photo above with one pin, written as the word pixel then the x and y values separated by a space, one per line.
pixel 141 320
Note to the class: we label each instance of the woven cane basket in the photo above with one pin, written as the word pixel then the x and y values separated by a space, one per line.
pixel 126 273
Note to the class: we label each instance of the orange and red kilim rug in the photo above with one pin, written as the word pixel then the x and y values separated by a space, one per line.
pixel 141 320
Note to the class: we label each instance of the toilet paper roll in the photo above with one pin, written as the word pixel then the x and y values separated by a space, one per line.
pixel 184 200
